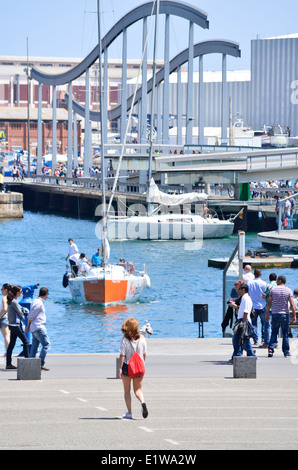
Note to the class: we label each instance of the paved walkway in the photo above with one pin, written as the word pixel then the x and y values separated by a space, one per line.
pixel 194 403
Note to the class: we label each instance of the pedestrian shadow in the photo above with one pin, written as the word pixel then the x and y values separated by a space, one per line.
pixel 224 362
pixel 114 418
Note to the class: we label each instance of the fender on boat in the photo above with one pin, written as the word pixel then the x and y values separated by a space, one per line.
pixel 147 281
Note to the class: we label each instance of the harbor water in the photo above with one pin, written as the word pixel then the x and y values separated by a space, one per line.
pixel 33 250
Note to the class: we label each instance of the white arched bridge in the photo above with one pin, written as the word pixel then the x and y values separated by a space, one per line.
pixel 193 18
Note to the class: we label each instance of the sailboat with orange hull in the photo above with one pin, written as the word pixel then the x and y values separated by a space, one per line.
pixel 108 283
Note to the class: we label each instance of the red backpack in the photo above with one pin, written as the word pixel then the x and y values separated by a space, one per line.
pixel 136 366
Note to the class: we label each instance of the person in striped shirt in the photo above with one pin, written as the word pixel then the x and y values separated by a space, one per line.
pixel 279 299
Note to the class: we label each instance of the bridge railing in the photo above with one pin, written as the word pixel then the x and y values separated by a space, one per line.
pixel 272 158
pixel 93 183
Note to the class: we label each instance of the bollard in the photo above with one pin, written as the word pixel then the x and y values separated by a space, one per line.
pixel 29 368
pixel 244 367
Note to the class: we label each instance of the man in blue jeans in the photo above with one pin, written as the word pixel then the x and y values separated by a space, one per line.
pixel 279 297
pixel 243 321
pixel 37 325
pixel 256 289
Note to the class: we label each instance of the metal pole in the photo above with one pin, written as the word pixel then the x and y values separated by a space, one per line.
pixel 75 141
pixel 224 303
pixel 39 131
pixel 166 83
pixel 103 192
pixel 105 98
pixel 28 110
pixel 69 133
pixel 124 86
pixel 241 253
pixel 224 100
pixel 153 95
pixel 143 127
pixel 201 101
pixel 87 137
pixel 189 112
pixel 179 106
pixel 54 131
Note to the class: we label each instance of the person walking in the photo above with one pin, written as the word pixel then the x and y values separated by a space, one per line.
pixel 256 289
pixel 132 341
pixel 279 298
pixel 1 181
pixel 37 326
pixel 272 283
pixel 277 204
pixel 15 315
pixel 293 207
pixel 3 316
pixel 243 327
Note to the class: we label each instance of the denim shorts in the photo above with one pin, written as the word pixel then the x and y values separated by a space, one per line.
pixel 3 322
pixel 125 369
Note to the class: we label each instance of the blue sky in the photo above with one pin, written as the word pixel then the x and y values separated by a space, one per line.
pixel 68 28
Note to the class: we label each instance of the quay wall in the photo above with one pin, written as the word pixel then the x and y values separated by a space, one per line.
pixel 82 203
pixel 11 205
pixel 70 201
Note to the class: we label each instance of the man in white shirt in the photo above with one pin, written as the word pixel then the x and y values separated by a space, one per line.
pixel 37 325
pixel 83 264
pixel 72 250
pixel 256 291
pixel 243 322
pixel 287 215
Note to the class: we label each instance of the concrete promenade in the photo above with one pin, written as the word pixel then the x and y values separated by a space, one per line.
pixel 193 400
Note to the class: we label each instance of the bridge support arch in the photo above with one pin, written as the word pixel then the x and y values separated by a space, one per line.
pixel 194 17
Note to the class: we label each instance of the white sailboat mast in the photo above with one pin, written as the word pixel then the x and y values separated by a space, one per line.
pixel 103 202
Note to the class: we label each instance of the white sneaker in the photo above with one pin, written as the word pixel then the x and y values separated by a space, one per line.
pixel 127 416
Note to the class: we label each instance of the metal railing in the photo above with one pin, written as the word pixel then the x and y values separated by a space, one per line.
pixel 272 159
pixel 93 183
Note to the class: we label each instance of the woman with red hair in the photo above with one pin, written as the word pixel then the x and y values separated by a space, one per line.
pixel 132 341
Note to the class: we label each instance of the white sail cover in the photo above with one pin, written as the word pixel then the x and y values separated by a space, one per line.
pixel 155 196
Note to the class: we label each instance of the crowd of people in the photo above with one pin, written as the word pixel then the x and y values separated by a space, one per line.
pixel 13 324
pixel 253 300
pixel 79 262
pixel 287 211
pixel 257 188
pixel 18 172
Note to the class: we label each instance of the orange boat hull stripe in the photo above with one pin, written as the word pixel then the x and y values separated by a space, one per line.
pixel 105 291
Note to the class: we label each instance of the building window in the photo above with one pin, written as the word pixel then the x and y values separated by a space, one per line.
pixel 16 125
